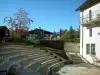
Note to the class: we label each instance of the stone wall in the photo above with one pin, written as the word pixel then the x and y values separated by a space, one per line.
pixel 72 47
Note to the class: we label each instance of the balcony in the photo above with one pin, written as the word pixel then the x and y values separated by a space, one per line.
pixel 92 20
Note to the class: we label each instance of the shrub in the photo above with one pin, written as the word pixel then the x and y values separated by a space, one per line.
pixel 36 42
pixel 75 40
pixel 57 44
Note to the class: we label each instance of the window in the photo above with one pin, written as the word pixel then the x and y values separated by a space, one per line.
pixel 90 32
pixel 48 35
pixel 90 15
pixel 92 49
pixel 87 48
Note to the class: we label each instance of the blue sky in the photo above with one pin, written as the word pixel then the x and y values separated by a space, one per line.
pixel 50 15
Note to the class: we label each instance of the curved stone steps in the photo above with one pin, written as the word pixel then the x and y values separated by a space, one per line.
pixel 20 70
pixel 5 67
pixel 31 73
pixel 54 73
pixel 32 62
pixel 31 58
pixel 44 69
pixel 54 67
pixel 9 55
pixel 7 49
pixel 15 54
pixel 37 55
pixel 27 71
pixel 28 63
pixel 6 52
pixel 55 70
pixel 3 61
pixel 38 63
pixel 44 64
pixel 56 55
pixel 13 69
pixel 26 59
pixel 19 54
pixel 40 60
pixel 18 58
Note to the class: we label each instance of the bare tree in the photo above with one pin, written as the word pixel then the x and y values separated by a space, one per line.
pixel 19 22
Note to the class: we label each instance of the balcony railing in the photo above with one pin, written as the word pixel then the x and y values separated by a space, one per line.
pixel 94 17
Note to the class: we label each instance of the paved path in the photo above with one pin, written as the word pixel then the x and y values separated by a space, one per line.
pixel 80 69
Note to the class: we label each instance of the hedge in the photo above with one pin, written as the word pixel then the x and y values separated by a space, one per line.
pixel 75 40
pixel 57 44
pixel 36 42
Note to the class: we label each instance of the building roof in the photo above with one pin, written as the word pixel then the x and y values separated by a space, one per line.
pixel 3 30
pixel 3 27
pixel 37 31
pixel 87 4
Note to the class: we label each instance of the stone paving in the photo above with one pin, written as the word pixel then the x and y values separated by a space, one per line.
pixel 80 69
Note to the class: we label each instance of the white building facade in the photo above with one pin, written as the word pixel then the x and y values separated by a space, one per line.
pixel 39 33
pixel 90 30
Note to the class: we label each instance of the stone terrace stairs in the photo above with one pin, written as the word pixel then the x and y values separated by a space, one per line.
pixel 26 60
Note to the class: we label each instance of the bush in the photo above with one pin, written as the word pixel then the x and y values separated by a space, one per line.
pixel 57 44
pixel 75 40
pixel 16 40
pixel 36 42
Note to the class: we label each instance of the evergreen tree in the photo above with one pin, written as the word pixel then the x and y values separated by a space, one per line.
pixel 71 32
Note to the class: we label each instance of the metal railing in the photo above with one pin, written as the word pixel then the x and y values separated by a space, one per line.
pixel 95 16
